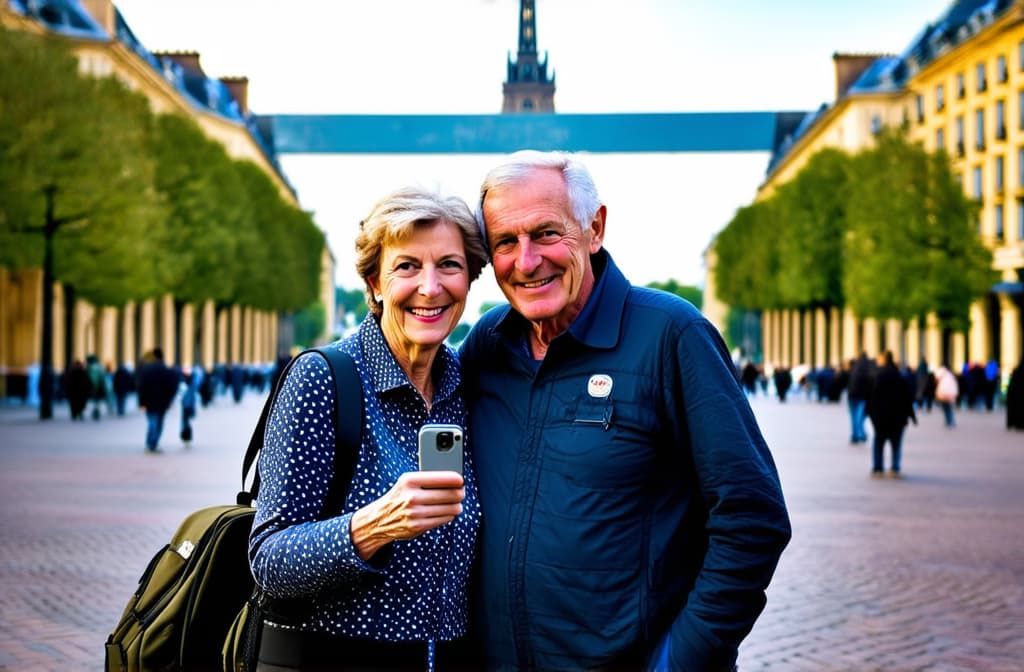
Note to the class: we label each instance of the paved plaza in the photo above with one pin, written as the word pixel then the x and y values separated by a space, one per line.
pixel 924 573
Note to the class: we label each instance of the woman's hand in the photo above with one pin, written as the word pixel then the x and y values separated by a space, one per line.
pixel 419 501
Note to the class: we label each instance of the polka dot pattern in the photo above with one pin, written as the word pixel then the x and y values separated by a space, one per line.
pixel 413 589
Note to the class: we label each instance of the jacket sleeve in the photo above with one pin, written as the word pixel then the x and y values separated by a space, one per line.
pixel 291 551
pixel 747 524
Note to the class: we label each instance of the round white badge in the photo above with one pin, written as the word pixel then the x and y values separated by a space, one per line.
pixel 599 385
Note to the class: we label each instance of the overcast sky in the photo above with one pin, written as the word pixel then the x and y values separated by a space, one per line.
pixel 448 56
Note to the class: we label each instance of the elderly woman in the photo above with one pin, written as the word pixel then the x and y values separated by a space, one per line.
pixel 383 583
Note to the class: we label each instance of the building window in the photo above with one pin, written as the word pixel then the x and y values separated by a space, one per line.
pixel 959 136
pixel 979 129
pixel 1020 167
pixel 999 221
pixel 876 124
pixel 961 90
pixel 1020 108
pixel 1001 74
pixel 940 98
pixel 919 106
pixel 1020 55
pixel 999 174
pixel 940 140
pixel 977 182
pixel 982 81
pixel 1020 219
pixel 1000 120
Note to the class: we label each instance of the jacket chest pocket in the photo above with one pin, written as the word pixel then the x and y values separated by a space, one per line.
pixel 602 443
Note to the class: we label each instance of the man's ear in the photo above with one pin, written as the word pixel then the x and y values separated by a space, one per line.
pixel 597 229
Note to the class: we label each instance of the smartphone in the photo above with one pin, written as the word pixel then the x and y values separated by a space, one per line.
pixel 440 448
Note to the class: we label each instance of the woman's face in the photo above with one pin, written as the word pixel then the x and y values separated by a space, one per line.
pixel 423 284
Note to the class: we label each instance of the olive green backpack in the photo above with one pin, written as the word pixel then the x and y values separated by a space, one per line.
pixel 192 606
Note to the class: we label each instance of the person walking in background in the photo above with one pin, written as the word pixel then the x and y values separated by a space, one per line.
pixel 858 389
pixel 77 388
pixel 188 403
pixel 1015 398
pixel 991 384
pixel 946 392
pixel 633 513
pixel 783 380
pixel 890 405
pixel 97 384
pixel 123 383
pixel 158 385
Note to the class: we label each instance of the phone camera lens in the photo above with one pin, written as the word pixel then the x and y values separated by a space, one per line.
pixel 445 440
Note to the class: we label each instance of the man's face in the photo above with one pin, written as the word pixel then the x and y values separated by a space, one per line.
pixel 540 254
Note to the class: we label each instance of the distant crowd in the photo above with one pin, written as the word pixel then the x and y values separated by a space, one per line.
pixel 977 386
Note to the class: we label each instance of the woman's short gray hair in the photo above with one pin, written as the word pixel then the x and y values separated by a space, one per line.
pixel 584 200
pixel 393 219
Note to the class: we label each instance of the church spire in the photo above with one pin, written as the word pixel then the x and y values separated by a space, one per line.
pixel 527 87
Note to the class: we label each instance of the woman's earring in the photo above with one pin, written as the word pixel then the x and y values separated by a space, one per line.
pixel 378 298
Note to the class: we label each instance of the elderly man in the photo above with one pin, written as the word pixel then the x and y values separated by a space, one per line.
pixel 633 513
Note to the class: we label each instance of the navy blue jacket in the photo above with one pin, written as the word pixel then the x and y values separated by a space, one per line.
pixel 626 488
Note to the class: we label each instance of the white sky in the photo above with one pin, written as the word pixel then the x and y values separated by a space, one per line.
pixel 449 56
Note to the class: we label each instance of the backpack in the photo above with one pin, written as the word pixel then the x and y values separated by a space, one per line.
pixel 191 593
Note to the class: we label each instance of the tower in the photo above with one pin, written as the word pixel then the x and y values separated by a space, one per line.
pixel 528 87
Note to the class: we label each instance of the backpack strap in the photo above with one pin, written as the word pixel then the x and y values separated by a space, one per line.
pixel 348 425
pixel 348 428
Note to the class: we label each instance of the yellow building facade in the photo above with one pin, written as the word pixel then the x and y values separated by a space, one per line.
pixel 964 93
pixel 235 335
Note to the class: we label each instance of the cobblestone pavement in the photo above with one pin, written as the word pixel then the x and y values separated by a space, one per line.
pixel 924 573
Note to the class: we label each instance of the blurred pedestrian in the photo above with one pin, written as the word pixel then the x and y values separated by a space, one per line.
pixel 158 385
pixel 890 405
pixel 783 380
pixel 123 383
pixel 991 385
pixel 188 403
pixel 946 392
pixel 97 384
pixel 1015 398
pixel 237 381
pixel 76 388
pixel 862 371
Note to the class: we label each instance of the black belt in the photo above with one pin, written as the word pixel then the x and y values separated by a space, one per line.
pixel 294 649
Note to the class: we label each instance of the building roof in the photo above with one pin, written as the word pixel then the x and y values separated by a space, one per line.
pixel 69 18
pixel 889 74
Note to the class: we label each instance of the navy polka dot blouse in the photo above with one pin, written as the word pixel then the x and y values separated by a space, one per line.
pixel 413 589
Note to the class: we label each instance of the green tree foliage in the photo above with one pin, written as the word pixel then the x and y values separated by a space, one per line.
pixel 352 301
pixel 83 140
pixel 910 240
pixel 749 256
pixel 458 334
pixel 812 211
pixel 692 294
pixel 204 197
pixel 309 324
pixel 886 232
pixel 278 248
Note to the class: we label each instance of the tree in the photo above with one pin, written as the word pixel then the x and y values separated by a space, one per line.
pixel 692 294
pixel 748 257
pixel 813 207
pixel 352 302
pixel 911 237
pixel 309 324
pixel 76 193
